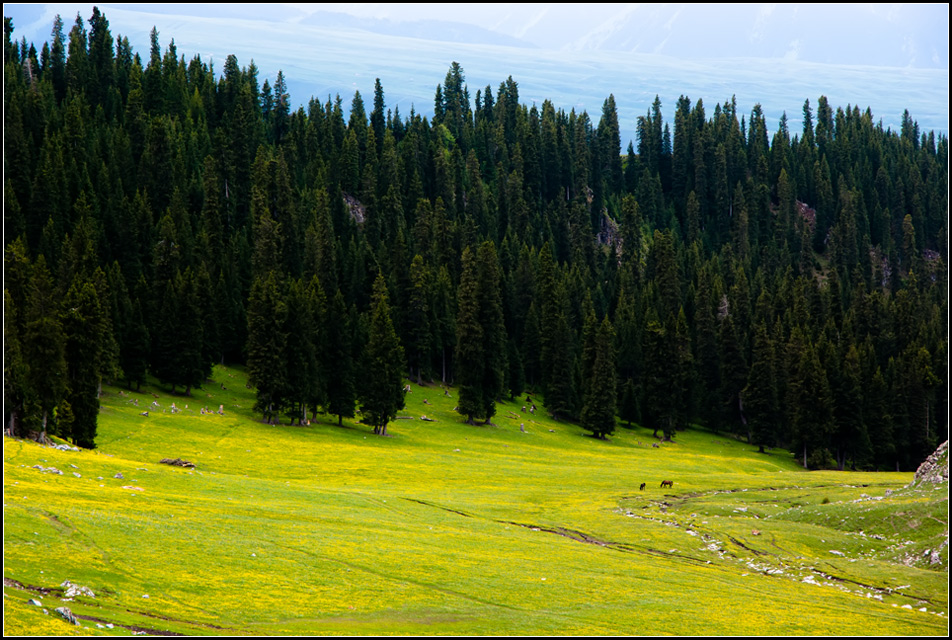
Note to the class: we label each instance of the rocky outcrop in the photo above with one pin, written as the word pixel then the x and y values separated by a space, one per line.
pixel 178 462
pixel 936 467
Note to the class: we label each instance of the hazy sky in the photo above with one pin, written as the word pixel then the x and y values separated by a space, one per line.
pixel 895 35
pixel 887 57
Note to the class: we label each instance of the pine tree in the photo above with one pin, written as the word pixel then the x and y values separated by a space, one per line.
pixel 14 367
pixel 495 349
pixel 83 325
pixel 470 343
pixel 382 394
pixel 338 357
pixel 759 396
pixel 628 409
pixel 44 348
pixel 419 342
pixel 598 410
pixel 267 344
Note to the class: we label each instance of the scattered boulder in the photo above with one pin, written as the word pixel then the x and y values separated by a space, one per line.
pixel 178 462
pixel 118 476
pixel 67 615
pixel 48 469
pixel 71 590
pixel 935 555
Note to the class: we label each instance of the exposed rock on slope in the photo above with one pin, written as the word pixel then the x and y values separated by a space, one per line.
pixel 936 467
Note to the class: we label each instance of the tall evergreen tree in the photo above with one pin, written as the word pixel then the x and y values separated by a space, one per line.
pixel 267 345
pixel 44 349
pixel 470 343
pixel 760 396
pixel 339 359
pixel 598 410
pixel 381 394
pixel 84 329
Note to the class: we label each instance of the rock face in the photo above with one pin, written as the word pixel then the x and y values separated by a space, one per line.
pixel 936 467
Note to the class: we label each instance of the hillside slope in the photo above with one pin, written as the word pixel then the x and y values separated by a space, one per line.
pixel 525 527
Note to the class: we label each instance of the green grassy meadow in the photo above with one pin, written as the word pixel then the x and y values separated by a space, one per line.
pixel 442 528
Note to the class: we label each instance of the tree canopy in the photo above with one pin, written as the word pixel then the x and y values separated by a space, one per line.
pixel 786 286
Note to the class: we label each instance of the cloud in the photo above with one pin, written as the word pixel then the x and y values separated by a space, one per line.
pixel 793 52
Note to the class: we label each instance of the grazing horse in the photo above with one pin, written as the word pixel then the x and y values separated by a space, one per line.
pixel 642 486
pixel 666 483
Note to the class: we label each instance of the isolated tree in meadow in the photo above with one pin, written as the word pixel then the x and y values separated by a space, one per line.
pixel 381 392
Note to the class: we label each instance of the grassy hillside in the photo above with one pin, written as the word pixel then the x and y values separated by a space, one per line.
pixel 445 528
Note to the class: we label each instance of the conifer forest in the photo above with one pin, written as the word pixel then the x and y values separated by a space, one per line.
pixel 789 287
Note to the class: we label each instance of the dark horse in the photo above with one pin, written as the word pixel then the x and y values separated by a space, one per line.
pixel 666 483
pixel 642 486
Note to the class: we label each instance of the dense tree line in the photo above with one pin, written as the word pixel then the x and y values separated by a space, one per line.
pixel 160 217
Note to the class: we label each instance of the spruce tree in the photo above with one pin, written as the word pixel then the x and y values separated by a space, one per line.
pixel 495 349
pixel 759 396
pixel 420 340
pixel 470 343
pixel 337 356
pixel 14 367
pixel 44 348
pixel 83 325
pixel 382 394
pixel 598 410
pixel 267 344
